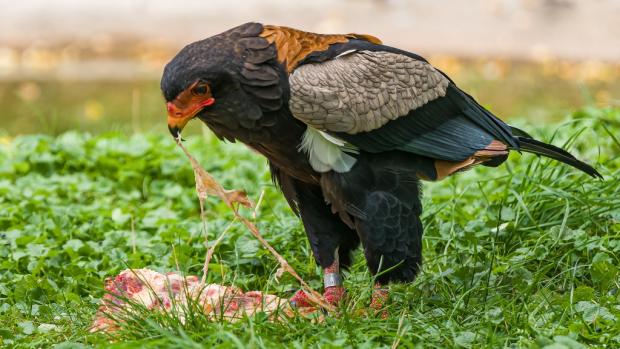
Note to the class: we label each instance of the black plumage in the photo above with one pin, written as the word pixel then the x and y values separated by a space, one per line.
pixel 375 200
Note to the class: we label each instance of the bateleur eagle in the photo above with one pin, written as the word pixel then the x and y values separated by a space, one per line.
pixel 349 127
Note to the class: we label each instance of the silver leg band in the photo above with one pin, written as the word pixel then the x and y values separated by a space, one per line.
pixel 332 279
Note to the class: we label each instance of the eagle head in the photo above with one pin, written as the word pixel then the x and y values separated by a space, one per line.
pixel 212 79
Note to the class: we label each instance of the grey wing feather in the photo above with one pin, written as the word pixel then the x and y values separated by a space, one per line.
pixel 362 91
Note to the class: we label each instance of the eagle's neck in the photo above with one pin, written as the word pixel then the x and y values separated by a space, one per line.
pixel 280 144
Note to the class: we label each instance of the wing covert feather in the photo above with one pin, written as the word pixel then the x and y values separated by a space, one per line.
pixel 362 91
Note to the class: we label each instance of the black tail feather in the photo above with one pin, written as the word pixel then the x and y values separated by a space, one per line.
pixel 531 145
pixel 519 132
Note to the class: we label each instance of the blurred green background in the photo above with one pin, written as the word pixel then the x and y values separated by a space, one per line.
pixel 62 69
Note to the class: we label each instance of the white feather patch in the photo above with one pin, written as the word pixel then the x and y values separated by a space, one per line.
pixel 327 152
pixel 346 53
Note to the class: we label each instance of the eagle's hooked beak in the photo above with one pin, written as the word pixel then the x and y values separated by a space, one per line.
pixel 175 132
pixel 176 120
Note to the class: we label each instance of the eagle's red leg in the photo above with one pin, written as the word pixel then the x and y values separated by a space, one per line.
pixel 334 291
pixel 332 281
pixel 380 296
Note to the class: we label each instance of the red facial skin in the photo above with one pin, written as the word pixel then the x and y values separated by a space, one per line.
pixel 187 104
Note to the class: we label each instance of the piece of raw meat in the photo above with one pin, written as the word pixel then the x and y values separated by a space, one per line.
pixel 173 292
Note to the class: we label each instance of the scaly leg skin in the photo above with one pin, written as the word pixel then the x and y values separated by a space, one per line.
pixel 300 300
pixel 380 296
pixel 334 291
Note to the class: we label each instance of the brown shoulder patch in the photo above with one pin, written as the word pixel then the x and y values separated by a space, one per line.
pixel 294 45
pixel 369 38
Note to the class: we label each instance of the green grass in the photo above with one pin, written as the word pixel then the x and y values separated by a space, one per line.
pixel 525 255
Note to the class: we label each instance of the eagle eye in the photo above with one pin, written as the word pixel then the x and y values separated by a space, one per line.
pixel 200 90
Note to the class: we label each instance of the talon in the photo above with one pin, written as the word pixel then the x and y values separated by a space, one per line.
pixel 300 300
